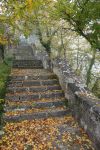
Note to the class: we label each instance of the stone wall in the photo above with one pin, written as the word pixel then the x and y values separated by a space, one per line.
pixel 84 105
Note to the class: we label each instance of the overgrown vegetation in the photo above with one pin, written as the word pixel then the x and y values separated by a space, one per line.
pixel 4 72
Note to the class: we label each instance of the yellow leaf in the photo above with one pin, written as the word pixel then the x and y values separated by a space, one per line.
pixel 29 3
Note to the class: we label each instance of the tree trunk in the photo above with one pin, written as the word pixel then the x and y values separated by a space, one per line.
pixel 2 52
pixel 47 44
pixel 62 44
pixel 92 61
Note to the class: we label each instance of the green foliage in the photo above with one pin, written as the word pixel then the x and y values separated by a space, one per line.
pixel 4 72
pixel 8 61
pixel 83 16
pixel 33 104
pixel 96 88
pixel 1 106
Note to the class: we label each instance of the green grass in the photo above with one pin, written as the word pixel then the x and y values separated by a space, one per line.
pixel 4 73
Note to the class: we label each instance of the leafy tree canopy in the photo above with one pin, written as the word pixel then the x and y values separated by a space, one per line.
pixel 83 16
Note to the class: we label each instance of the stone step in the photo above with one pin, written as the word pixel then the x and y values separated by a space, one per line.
pixel 49 104
pixel 26 54
pixel 27 67
pixel 37 115
pixel 32 83
pixel 34 96
pixel 31 72
pixel 31 102
pixel 22 111
pixel 34 92
pixel 18 57
pixel 33 62
pixel 27 64
pixel 33 89
pixel 33 77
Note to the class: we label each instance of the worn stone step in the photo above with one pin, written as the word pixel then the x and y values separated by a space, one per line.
pixel 27 64
pixel 34 96
pixel 33 89
pixel 22 111
pixel 33 83
pixel 28 67
pixel 26 53
pixel 30 72
pixel 40 104
pixel 33 77
pixel 19 56
pixel 30 57
pixel 31 102
pixel 38 115
pixel 33 92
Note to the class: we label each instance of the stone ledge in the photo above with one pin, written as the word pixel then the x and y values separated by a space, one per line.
pixel 87 112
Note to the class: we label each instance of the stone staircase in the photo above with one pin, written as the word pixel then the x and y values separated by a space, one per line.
pixel 36 112
pixel 41 88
